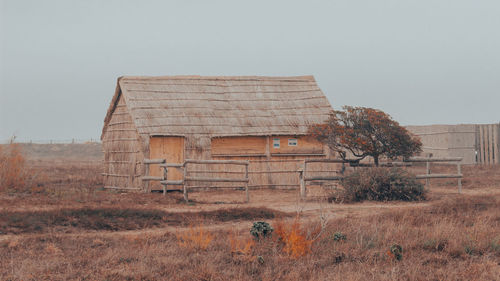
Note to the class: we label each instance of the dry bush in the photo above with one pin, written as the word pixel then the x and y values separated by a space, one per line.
pixel 194 238
pixel 12 167
pixel 294 237
pixel 381 184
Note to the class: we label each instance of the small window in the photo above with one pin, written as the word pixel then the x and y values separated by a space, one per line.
pixel 276 143
pixel 292 142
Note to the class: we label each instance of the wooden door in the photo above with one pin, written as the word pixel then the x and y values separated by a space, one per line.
pixel 170 148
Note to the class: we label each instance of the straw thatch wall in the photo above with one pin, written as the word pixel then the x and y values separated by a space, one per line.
pixel 122 153
pixel 204 110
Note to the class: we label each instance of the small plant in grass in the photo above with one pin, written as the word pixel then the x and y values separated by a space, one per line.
pixel 339 236
pixel 396 252
pixel 195 238
pixel 261 230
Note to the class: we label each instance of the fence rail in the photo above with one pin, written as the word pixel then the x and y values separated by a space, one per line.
pixel 164 181
pixel 304 179
pixel 428 175
pixel 303 172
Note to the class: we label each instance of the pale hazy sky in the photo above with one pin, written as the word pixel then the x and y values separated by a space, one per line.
pixel 421 61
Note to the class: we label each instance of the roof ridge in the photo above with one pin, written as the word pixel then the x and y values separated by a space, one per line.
pixel 237 78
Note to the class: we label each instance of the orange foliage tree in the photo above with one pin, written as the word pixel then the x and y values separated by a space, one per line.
pixel 366 132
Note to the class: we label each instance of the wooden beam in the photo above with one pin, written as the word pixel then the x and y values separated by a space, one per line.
pixel 325 161
pixel 443 159
pixel 268 157
pixel 427 172
pixel 152 178
pixel 459 171
pixel 490 144
pixel 298 154
pixel 184 186
pixel 154 161
pixel 329 178
pixel 246 184
pixel 124 188
pixel 235 162
pixel 119 175
pixel 170 182
pixel 440 176
pixel 302 184
pixel 214 179
pixel 496 144
pixel 172 165
pixel 481 144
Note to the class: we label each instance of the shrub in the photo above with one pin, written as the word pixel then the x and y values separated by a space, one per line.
pixel 12 167
pixel 396 252
pixel 382 184
pixel 261 229
pixel 339 236
pixel 294 239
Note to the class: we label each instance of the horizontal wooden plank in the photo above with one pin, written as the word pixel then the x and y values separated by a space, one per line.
pixel 121 162
pixel 298 154
pixel 238 155
pixel 214 179
pixel 324 161
pixel 235 162
pixel 152 178
pixel 124 188
pixel 440 176
pixel 396 164
pixel 120 151
pixel 119 175
pixel 172 165
pixel 179 182
pixel 154 161
pixel 329 178
pixel 424 159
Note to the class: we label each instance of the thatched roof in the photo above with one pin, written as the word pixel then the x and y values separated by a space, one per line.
pixel 222 106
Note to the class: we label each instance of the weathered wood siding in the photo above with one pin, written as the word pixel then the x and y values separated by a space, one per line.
pixel 304 145
pixel 238 146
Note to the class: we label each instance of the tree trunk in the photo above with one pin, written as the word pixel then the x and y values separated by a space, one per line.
pixel 375 159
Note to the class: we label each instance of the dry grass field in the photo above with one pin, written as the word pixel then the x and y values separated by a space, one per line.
pixel 63 226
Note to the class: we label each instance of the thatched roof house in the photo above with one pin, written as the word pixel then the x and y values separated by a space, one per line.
pixel 181 117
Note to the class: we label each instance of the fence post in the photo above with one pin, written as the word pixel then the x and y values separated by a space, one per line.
pixel 246 183
pixel 146 173
pixel 459 169
pixel 302 175
pixel 165 178
pixel 428 172
pixel 185 191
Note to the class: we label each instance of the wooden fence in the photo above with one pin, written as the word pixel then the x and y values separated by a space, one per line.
pixel 487 144
pixel 305 178
pixel 304 172
pixel 164 181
